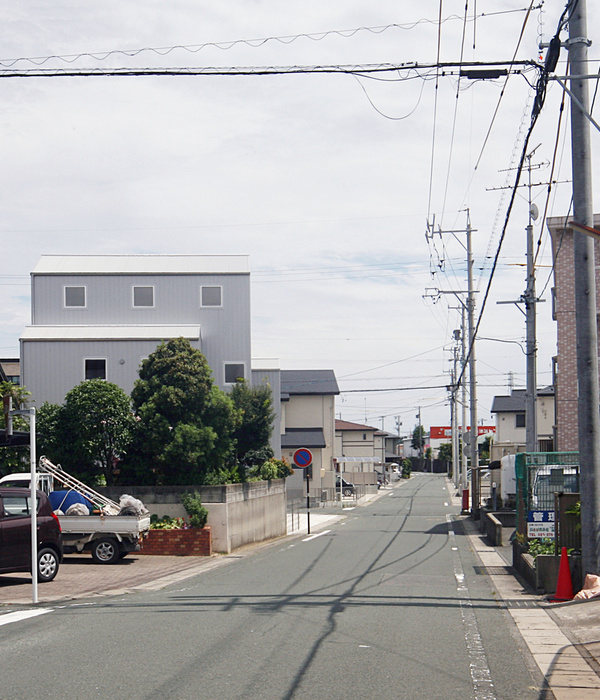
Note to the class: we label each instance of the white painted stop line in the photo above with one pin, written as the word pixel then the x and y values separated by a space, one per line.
pixel 21 615
pixel 318 534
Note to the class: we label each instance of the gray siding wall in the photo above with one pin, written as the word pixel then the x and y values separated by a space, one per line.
pixel 50 369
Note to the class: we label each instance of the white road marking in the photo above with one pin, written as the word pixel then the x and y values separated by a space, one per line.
pixel 481 676
pixel 22 615
pixel 318 534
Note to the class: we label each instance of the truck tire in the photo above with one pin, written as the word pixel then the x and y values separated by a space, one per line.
pixel 47 564
pixel 106 550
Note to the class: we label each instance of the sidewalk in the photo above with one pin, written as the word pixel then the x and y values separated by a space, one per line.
pixel 563 638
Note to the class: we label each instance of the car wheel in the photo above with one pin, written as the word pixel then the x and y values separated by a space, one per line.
pixel 47 565
pixel 347 492
pixel 106 550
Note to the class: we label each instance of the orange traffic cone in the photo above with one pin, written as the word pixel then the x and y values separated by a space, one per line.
pixel 564 584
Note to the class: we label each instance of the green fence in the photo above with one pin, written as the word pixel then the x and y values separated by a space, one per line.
pixel 540 477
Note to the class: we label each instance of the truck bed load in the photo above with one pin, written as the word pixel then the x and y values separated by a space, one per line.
pixel 110 531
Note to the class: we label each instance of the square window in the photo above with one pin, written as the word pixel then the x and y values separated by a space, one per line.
pixel 95 369
pixel 74 296
pixel 233 373
pixel 143 296
pixel 211 296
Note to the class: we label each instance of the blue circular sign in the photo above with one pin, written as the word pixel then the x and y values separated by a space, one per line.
pixel 303 457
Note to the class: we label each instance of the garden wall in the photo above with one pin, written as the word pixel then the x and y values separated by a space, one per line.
pixel 195 542
pixel 238 514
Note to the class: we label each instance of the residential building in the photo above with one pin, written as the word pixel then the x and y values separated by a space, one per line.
pixel 358 449
pixel 307 420
pixel 510 413
pixel 99 316
pixel 10 370
pixel 563 312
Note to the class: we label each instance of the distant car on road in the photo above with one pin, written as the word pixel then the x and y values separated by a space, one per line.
pixel 348 489
pixel 15 534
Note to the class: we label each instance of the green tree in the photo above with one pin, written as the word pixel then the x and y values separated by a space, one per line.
pixel 253 434
pixel 418 439
pixel 445 452
pixel 14 459
pixel 89 434
pixel 185 425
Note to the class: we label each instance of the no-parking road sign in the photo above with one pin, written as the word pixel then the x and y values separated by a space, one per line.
pixel 303 457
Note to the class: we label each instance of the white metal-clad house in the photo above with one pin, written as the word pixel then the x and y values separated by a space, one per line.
pixel 99 316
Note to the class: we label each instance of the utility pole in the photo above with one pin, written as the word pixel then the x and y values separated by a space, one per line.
pixel 529 300
pixel 472 376
pixel 530 327
pixel 469 308
pixel 585 292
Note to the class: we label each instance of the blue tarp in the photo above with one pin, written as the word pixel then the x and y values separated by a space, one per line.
pixel 65 499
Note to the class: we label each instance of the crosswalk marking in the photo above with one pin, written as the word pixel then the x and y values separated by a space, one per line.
pixel 22 615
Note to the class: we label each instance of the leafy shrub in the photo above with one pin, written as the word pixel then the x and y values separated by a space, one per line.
pixel 166 523
pixel 542 546
pixel 197 513
pixel 271 469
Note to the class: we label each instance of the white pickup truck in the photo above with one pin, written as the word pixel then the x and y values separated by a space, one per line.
pixel 106 534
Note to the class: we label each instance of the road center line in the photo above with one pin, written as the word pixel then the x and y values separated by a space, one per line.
pixel 318 534
pixel 21 615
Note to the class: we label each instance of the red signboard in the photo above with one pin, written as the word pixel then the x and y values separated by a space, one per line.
pixel 444 432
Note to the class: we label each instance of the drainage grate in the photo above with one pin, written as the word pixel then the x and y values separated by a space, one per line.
pixel 494 570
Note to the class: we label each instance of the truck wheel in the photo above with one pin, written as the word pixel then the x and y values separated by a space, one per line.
pixel 105 550
pixel 47 565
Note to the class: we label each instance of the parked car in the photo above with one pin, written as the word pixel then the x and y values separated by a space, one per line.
pixel 15 534
pixel 348 489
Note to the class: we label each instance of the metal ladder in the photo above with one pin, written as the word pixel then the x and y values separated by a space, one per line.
pixel 108 506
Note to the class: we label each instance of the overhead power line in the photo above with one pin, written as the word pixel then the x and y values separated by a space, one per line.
pixel 449 68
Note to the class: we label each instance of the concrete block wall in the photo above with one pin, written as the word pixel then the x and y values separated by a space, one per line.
pixel 238 514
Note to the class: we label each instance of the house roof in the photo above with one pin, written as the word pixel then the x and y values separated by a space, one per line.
pixel 516 400
pixel 303 437
pixel 308 381
pixel 141 264
pixel 347 425
pixel 110 332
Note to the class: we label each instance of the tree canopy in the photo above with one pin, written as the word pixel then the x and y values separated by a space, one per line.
pixel 185 424
pixel 253 433
pixel 14 459
pixel 90 433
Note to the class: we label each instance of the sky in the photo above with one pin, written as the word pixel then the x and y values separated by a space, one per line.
pixel 329 182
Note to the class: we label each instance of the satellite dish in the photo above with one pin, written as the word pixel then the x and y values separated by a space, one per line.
pixel 534 211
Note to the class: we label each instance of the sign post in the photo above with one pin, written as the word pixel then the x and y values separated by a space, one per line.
pixel 303 459
pixel 33 495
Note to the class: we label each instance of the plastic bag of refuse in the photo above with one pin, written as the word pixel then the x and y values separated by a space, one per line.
pixel 77 509
pixel 591 588
pixel 132 505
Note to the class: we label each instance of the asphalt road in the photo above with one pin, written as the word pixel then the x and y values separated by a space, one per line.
pixel 387 603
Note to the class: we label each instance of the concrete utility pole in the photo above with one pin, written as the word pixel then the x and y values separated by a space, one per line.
pixel 472 376
pixel 469 308
pixel 585 293
pixel 531 442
